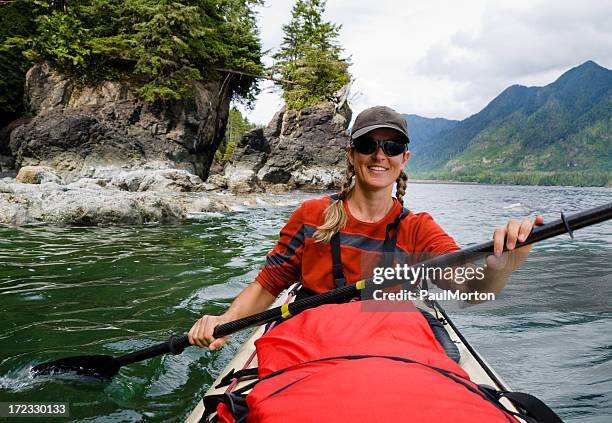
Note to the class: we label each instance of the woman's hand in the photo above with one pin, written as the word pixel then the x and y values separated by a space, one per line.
pixel 512 232
pixel 201 333
pixel 253 299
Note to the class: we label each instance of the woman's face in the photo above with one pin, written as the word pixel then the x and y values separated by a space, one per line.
pixel 377 170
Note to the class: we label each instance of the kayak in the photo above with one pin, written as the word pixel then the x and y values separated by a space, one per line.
pixel 246 358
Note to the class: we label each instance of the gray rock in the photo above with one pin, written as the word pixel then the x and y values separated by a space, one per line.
pixel 241 179
pixel 171 180
pixel 52 203
pixel 77 130
pixel 37 175
pixel 86 203
pixel 297 150
pixel 6 188
pixel 157 180
pixel 128 181
pixel 104 208
pixel 248 158
pixel 202 204
pixel 13 210
pixel 215 182
pixel 88 183
pixel 318 177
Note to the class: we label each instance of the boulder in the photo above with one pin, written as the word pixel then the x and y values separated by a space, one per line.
pixel 216 182
pixel 37 175
pixel 6 188
pixel 52 203
pixel 7 161
pixel 249 156
pixel 13 209
pixel 298 149
pixel 104 208
pixel 157 180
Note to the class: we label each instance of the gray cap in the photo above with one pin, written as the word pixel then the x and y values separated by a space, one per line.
pixel 379 117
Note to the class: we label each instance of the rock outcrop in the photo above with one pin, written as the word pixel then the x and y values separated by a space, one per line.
pixel 100 131
pixel 128 200
pixel 297 150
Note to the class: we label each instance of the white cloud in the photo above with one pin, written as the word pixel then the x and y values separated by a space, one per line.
pixel 450 58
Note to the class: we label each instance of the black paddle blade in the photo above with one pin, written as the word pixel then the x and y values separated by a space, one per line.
pixel 99 366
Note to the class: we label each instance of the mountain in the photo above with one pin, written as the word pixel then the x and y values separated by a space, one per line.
pixel 528 135
pixel 422 129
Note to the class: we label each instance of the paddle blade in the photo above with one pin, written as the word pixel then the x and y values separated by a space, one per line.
pixel 100 366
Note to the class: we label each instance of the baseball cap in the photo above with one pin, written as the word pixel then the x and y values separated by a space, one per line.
pixel 379 117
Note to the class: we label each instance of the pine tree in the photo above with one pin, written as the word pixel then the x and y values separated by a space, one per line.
pixel 16 20
pixel 160 46
pixel 309 60
pixel 237 126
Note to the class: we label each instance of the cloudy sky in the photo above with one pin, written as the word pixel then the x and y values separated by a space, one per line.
pixel 449 58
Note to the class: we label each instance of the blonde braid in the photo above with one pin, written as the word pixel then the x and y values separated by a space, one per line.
pixel 335 216
pixel 400 190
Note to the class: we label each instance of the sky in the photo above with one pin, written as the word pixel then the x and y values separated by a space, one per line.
pixel 445 58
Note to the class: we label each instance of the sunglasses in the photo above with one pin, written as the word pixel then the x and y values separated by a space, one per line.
pixel 367 145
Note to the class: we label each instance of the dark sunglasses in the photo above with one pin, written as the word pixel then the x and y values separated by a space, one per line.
pixel 367 145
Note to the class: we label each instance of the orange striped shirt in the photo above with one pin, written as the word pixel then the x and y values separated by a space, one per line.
pixel 296 256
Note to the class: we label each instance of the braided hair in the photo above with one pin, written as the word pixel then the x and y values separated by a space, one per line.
pixel 335 216
pixel 400 188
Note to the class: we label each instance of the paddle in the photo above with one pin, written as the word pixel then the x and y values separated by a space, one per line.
pixel 106 366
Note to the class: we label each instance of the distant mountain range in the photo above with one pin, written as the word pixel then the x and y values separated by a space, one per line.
pixel 557 134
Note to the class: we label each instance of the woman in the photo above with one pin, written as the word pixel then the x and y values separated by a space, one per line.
pixel 369 218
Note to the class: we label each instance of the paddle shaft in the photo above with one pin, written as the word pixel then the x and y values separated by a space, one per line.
pixel 539 233
pixel 175 345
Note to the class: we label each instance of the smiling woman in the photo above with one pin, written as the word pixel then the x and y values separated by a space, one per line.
pixel 331 241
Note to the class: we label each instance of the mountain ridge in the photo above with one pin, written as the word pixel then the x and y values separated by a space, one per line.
pixel 565 126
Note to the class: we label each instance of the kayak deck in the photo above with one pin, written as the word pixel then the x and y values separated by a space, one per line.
pixel 246 358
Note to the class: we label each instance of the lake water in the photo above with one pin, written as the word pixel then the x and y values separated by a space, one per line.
pixel 89 290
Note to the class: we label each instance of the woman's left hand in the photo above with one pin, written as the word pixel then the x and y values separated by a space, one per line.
pixel 512 232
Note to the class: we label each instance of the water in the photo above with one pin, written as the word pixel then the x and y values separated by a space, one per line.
pixel 69 291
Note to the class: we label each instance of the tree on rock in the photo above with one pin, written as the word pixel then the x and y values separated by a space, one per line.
pixel 309 61
pixel 160 46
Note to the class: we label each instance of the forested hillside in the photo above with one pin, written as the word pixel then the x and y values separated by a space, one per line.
pixel 557 134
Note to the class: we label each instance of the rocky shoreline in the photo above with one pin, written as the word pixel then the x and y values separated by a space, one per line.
pixel 38 195
pixel 99 155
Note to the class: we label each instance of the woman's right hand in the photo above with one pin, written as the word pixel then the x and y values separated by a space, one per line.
pixel 253 299
pixel 201 333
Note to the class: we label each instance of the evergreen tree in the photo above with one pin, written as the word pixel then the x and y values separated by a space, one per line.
pixel 16 20
pixel 161 46
pixel 237 126
pixel 309 61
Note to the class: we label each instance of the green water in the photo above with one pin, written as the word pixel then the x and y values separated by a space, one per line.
pixel 89 290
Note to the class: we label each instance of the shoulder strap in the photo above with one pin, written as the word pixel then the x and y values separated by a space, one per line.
pixel 388 247
pixel 391 238
pixel 339 279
